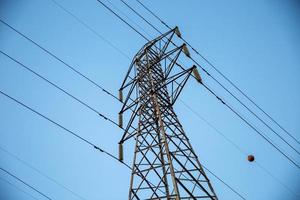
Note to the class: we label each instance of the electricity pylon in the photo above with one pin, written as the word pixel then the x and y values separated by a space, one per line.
pixel 165 165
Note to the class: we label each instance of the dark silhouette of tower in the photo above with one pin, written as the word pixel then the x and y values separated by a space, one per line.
pixel 165 165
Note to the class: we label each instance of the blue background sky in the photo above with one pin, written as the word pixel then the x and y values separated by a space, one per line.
pixel 255 43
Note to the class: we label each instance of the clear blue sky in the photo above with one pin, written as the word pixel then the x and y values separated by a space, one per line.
pixel 255 43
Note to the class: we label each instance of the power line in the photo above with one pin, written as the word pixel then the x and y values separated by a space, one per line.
pixel 67 130
pixel 62 127
pixel 69 13
pixel 256 105
pixel 251 126
pixel 102 38
pixel 28 185
pixel 237 146
pixel 65 93
pixel 247 122
pixel 58 59
pixel 220 84
pixel 91 29
pixel 235 112
pixel 148 40
pixel 65 64
pixel 153 14
pixel 41 173
pixel 17 188
pixel 79 137
pixel 278 180
pixel 118 16
pixel 213 127
pixel 75 16
pixel 138 14
pixel 244 105
pixel 232 189
pixel 59 88
pixel 225 77
pixel 128 18
pixel 192 110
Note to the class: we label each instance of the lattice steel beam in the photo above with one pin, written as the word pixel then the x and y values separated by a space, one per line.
pixel 165 165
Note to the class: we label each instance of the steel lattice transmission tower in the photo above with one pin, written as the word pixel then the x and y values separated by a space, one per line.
pixel 165 165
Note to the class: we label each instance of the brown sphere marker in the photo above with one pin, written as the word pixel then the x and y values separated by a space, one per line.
pixel 250 158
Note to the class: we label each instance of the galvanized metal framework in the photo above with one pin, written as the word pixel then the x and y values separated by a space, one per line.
pixel 165 165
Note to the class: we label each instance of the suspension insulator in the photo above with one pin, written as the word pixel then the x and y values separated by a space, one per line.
pixel 121 155
pixel 197 75
pixel 177 32
pixel 186 50
pixel 121 120
pixel 121 95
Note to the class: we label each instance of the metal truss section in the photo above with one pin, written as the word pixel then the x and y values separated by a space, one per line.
pixel 164 165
